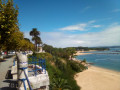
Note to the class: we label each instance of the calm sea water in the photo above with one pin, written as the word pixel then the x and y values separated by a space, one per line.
pixel 105 59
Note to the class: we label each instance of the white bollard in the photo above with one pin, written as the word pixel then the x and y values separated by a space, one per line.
pixel 22 62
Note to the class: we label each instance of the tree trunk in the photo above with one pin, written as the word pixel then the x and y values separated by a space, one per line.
pixel 35 46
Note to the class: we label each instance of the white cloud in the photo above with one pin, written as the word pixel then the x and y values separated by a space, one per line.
pixel 107 37
pixel 80 27
pixel 96 26
pixel 116 10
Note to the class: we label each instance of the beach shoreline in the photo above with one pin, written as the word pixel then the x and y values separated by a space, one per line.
pixel 97 78
pixel 83 52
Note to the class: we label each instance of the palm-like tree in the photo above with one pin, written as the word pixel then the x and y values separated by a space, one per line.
pixel 34 32
pixel 60 84
pixel 35 37
pixel 37 40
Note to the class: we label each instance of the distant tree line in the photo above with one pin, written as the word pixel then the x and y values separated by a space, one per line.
pixel 60 52
pixel 67 52
pixel 91 48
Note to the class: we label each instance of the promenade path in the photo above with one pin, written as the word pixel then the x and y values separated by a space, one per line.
pixel 5 68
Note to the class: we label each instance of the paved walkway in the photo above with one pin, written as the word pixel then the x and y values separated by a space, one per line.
pixel 5 67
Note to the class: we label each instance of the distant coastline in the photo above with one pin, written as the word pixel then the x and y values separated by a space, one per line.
pixel 83 52
pixel 91 52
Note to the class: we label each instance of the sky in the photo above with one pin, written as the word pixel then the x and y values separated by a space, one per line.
pixel 71 23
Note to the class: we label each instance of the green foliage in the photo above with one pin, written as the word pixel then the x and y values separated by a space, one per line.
pixel 26 45
pixel 60 52
pixel 60 84
pixel 8 22
pixel 77 67
pixel 10 36
pixel 88 48
pixel 61 71
pixel 35 37
pixel 84 60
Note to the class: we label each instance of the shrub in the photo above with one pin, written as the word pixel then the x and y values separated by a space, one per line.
pixel 65 71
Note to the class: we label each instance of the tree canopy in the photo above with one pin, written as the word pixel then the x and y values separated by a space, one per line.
pixel 8 21
pixel 60 52
pixel 11 38
pixel 35 37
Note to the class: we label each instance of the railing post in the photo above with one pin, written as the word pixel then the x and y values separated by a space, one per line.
pixel 22 63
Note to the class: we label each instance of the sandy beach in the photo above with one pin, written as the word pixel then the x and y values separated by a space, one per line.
pixel 82 53
pixel 96 78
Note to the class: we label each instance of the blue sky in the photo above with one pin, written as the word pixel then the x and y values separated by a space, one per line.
pixel 65 23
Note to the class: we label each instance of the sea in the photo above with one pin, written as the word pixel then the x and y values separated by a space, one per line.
pixel 109 59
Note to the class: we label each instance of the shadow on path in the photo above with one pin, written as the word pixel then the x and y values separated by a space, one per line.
pixel 8 75
pixel 2 60
pixel 12 83
pixel 7 88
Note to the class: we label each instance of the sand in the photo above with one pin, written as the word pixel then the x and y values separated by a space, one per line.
pixel 95 78
pixel 81 53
